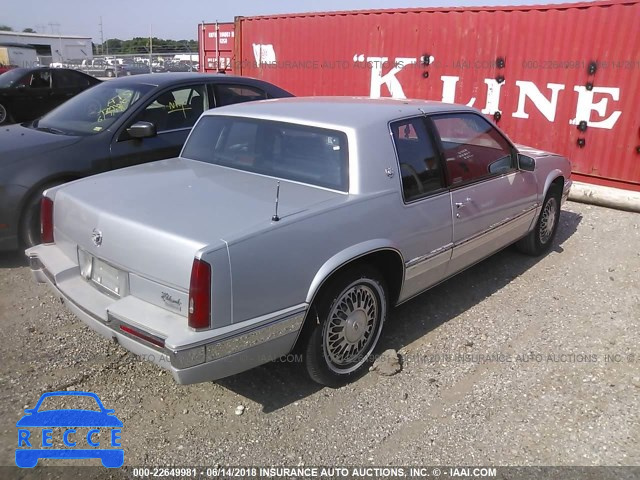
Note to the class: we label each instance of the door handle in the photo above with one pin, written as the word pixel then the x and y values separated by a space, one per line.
pixel 460 205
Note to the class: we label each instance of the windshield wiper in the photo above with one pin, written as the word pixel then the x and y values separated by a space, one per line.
pixel 51 130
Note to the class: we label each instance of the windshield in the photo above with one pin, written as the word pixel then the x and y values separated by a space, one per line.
pixel 93 110
pixel 312 155
pixel 9 78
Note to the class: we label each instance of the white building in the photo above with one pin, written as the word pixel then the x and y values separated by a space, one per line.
pixel 52 48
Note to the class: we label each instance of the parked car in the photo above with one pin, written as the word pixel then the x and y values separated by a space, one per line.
pixel 292 224
pixel 101 68
pixel 135 68
pixel 28 93
pixel 122 122
pixel 6 68
pixel 177 67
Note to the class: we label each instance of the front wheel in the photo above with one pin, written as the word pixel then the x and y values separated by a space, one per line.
pixel 351 312
pixel 539 240
pixel 4 115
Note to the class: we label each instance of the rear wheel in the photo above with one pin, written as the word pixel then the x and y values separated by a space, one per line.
pixel 351 312
pixel 539 240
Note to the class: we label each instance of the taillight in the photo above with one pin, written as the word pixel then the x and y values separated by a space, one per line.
pixel 46 220
pixel 200 295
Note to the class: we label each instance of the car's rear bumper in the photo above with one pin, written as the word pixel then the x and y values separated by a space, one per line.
pixel 214 354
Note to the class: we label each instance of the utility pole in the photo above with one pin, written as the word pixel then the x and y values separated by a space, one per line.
pixel 101 38
pixel 57 25
pixel 150 48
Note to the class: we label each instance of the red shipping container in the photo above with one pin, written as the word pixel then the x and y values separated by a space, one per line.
pixel 564 77
pixel 216 42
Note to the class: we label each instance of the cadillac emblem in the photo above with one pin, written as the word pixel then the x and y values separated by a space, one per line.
pixel 96 237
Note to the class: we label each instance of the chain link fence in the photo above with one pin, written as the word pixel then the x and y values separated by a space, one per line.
pixel 130 64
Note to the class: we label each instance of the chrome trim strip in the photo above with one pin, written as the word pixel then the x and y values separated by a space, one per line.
pixel 247 340
pixel 497 225
pixel 173 130
pixel 423 258
pixel 244 327
pixel 218 349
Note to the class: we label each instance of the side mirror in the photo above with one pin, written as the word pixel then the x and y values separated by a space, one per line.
pixel 142 130
pixel 526 163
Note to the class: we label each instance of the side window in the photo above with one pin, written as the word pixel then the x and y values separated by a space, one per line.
pixel 227 94
pixel 176 109
pixel 37 79
pixel 419 167
pixel 472 147
pixel 69 79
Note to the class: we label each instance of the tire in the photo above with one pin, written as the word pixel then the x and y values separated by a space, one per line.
pixel 351 312
pixel 110 73
pixel 540 239
pixel 5 116
pixel 30 220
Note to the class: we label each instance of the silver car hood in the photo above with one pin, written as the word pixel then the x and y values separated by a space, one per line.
pixel 534 152
pixel 154 217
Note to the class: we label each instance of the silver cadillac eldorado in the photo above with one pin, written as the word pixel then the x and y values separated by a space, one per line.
pixel 292 224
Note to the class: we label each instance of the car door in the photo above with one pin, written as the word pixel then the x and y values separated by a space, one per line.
pixel 492 202
pixel 173 112
pixel 426 219
pixel 33 95
pixel 66 84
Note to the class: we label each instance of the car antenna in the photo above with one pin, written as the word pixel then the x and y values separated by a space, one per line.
pixel 275 217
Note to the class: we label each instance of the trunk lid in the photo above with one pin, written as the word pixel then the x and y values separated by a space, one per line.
pixel 154 217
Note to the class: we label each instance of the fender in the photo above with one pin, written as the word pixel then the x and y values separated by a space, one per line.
pixel 551 176
pixel 347 255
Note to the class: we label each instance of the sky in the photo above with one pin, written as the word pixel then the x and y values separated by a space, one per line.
pixel 178 20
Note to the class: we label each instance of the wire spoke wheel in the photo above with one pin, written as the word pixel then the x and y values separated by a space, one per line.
pixel 3 114
pixel 352 325
pixel 548 220
pixel 347 320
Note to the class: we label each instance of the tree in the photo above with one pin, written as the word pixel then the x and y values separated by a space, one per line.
pixel 29 30
pixel 5 28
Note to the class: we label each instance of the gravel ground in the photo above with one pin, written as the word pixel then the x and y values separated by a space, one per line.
pixel 517 361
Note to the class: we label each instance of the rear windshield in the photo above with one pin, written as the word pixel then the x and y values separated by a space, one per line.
pixel 312 155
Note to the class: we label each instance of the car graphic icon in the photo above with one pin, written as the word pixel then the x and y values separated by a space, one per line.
pixel 104 419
